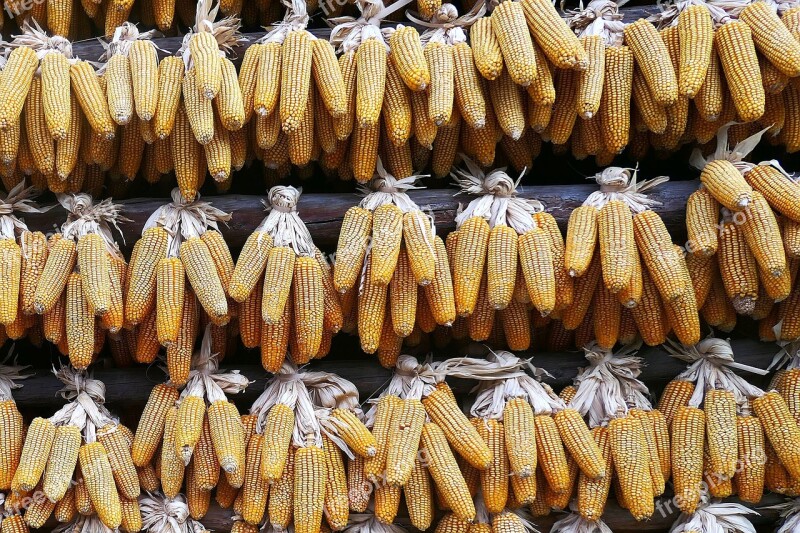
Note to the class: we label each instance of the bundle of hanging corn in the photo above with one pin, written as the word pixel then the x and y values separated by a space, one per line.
pixel 130 70
pixel 12 426
pixel 406 442
pixel 507 253
pixel 206 137
pixel 636 269
pixel 202 413
pixel 341 420
pixel 293 115
pixel 369 78
pixel 715 439
pixel 285 287
pixel 391 268
pixel 24 254
pixel 180 243
pixel 740 262
pixel 290 455
pixel 78 460
pixel 79 291
pixel 633 437
pixel 539 444
pixel 52 117
pixel 456 96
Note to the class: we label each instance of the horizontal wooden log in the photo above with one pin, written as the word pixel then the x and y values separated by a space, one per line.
pixel 92 49
pixel 130 387
pixel 323 213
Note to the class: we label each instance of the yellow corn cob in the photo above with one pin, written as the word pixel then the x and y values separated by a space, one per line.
pixel 404 441
pixel 552 34
pixel 651 55
pixel 750 475
pixel 172 469
pixel 772 38
pixel 202 274
pixel 536 259
pixel 551 456
pixel 199 109
pixel 443 410
pixel 696 36
pixel 630 456
pixel 593 493
pixel 371 59
pixel 676 395
pixel 419 497
pixel 578 441
pixel 776 418
pixel 739 62
pixel 407 52
pixel 515 42
pixel 441 93
pixel 726 184
pixel 281 497
pixel 486 49
pixel 207 63
pixel 663 262
pixel 720 410
pixel 15 84
pixel 277 440
pixel 336 506
pixel 445 472
pixel 170 295
pixel 590 81
pixel 170 82
pixel 702 215
pixel 494 479
pixel 520 437
pixel 562 121
pixel 581 240
pixel 501 266
pixel 119 89
pixel 87 89
pixel 738 268
pixel 309 488
pixel 615 102
pixel 151 425
pixel 470 258
pixel 387 232
pixel 227 434
pixel 117 440
pixel 80 323
pixel 653 114
pixel 56 94
pixel 328 77
pixel 508 105
pixel 688 429
pixel 617 244
pixel 11 442
pixel 97 475
pixel 65 510
pixel 61 462
pixel 763 236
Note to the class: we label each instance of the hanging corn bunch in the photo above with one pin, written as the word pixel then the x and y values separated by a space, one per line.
pixel 277 84
pixel 539 444
pixel 735 421
pixel 732 225
pixel 389 254
pixel 508 253
pixel 180 243
pixel 52 118
pixel 12 430
pixel 82 441
pixel 300 310
pixel 203 406
pixel 294 460
pixel 210 81
pixel 24 254
pixel 632 435
pixel 336 402
pixel 79 291
pixel 601 94
pixel 398 417
pixel 636 266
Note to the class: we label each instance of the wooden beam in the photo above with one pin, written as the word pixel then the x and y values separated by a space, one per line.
pixel 130 387
pixel 92 49
pixel 323 213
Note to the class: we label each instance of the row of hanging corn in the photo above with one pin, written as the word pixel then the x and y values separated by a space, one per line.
pixel 467 84
pixel 508 275
pixel 307 456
